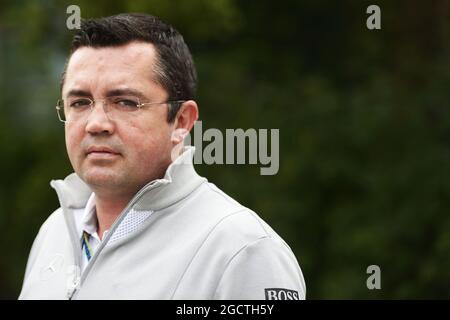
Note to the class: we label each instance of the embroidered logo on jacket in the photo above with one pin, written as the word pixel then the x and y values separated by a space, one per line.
pixel 281 294
pixel 52 268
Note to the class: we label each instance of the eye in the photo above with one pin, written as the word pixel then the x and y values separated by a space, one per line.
pixel 80 103
pixel 126 103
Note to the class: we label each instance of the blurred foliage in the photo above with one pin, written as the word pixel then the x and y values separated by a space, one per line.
pixel 363 117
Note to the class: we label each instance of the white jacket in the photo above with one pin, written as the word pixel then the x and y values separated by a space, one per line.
pixel 198 244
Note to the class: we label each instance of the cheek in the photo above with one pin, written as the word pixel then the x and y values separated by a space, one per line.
pixel 146 145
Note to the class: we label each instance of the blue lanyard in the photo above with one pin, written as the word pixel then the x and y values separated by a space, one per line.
pixel 85 245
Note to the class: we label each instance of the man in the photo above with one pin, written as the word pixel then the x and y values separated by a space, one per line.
pixel 136 221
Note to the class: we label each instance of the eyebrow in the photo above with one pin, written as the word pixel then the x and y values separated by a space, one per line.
pixel 78 93
pixel 111 93
pixel 124 92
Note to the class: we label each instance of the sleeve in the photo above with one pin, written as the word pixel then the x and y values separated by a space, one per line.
pixel 265 269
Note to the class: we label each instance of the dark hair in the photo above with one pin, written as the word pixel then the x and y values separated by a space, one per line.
pixel 175 69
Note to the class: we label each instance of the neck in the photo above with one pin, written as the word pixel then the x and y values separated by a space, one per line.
pixel 108 209
pixel 109 205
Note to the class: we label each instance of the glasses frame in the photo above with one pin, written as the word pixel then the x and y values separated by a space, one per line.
pixel 92 105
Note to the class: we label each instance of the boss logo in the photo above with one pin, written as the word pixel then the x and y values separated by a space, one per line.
pixel 281 294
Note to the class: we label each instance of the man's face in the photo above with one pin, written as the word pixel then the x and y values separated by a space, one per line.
pixel 117 156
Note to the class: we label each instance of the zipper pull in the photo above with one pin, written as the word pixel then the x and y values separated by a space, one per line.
pixel 73 280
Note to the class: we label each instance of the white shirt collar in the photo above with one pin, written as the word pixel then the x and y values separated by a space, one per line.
pixel 88 221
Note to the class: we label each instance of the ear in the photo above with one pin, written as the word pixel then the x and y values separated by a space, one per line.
pixel 184 121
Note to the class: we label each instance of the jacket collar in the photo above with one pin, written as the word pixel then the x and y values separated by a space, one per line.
pixel 178 182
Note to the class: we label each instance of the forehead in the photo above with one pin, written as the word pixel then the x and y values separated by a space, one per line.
pixel 105 68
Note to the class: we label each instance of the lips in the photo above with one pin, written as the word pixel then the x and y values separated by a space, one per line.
pixel 101 151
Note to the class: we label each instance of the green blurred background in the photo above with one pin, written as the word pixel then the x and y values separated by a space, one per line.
pixel 363 116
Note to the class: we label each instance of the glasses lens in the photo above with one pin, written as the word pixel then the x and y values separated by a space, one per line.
pixel 121 108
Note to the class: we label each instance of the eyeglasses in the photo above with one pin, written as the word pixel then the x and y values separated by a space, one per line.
pixel 116 108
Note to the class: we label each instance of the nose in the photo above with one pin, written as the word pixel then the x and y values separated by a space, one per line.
pixel 98 121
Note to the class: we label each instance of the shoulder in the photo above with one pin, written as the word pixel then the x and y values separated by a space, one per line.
pixel 53 223
pixel 233 226
pixel 226 215
pixel 56 218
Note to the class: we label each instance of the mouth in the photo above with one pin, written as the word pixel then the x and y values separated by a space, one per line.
pixel 101 153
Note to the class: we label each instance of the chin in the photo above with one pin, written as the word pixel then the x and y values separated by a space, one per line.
pixel 102 178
